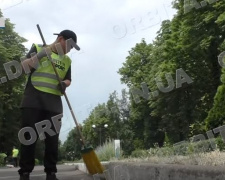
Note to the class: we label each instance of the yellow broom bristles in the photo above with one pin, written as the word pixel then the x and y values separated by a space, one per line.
pixel 92 163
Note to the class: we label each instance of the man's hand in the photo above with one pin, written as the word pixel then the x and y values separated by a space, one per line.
pixel 62 87
pixel 43 53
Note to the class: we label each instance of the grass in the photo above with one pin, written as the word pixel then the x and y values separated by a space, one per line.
pixel 214 158
pixel 106 152
pixel 199 153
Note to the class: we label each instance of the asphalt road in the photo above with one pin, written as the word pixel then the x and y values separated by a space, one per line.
pixel 65 172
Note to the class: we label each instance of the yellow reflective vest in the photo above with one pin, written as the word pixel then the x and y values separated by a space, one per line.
pixel 44 78
pixel 15 153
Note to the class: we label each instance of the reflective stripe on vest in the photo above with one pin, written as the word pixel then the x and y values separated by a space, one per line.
pixel 44 84
pixel 43 74
pixel 44 78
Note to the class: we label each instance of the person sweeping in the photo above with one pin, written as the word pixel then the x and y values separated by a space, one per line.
pixel 42 99
pixel 15 153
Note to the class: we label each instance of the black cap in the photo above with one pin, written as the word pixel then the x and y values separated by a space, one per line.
pixel 67 34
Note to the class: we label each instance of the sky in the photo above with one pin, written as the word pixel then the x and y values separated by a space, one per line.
pixel 106 32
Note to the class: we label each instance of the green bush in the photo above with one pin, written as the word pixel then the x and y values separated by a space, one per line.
pixel 185 148
pixel 182 149
pixel 2 156
pixel 138 144
pixel 202 147
pixel 106 151
pixel 139 153
pixel 220 144
pixel 37 162
pixel 188 148
pixel 1 160
pixel 166 151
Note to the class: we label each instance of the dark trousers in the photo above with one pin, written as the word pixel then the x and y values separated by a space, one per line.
pixel 15 161
pixel 30 117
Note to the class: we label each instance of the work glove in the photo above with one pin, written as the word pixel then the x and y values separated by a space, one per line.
pixel 43 53
pixel 62 87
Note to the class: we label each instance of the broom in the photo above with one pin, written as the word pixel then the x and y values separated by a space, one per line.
pixel 88 154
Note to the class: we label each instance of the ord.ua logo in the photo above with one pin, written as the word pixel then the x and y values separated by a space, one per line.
pixel 2 23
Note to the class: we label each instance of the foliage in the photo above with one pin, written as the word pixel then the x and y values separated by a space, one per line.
pixel 168 108
pixel 139 153
pixel 71 149
pixel 61 152
pixel 37 162
pixel 2 156
pixel 114 113
pixel 190 41
pixel 220 143
pixel 11 48
pixel 138 144
pixel 184 148
pixel 216 115
pixel 106 151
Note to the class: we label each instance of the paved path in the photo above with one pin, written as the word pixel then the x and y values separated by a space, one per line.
pixel 65 172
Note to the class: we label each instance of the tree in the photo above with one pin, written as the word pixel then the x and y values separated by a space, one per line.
pixel 116 114
pixel 99 118
pixel 11 48
pixel 190 42
pixel 216 115
pixel 72 146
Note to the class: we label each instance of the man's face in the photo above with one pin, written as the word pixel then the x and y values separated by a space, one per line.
pixel 62 42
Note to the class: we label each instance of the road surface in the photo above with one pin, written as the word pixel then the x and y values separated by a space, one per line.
pixel 65 172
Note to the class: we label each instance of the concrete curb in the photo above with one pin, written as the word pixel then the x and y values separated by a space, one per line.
pixel 147 171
